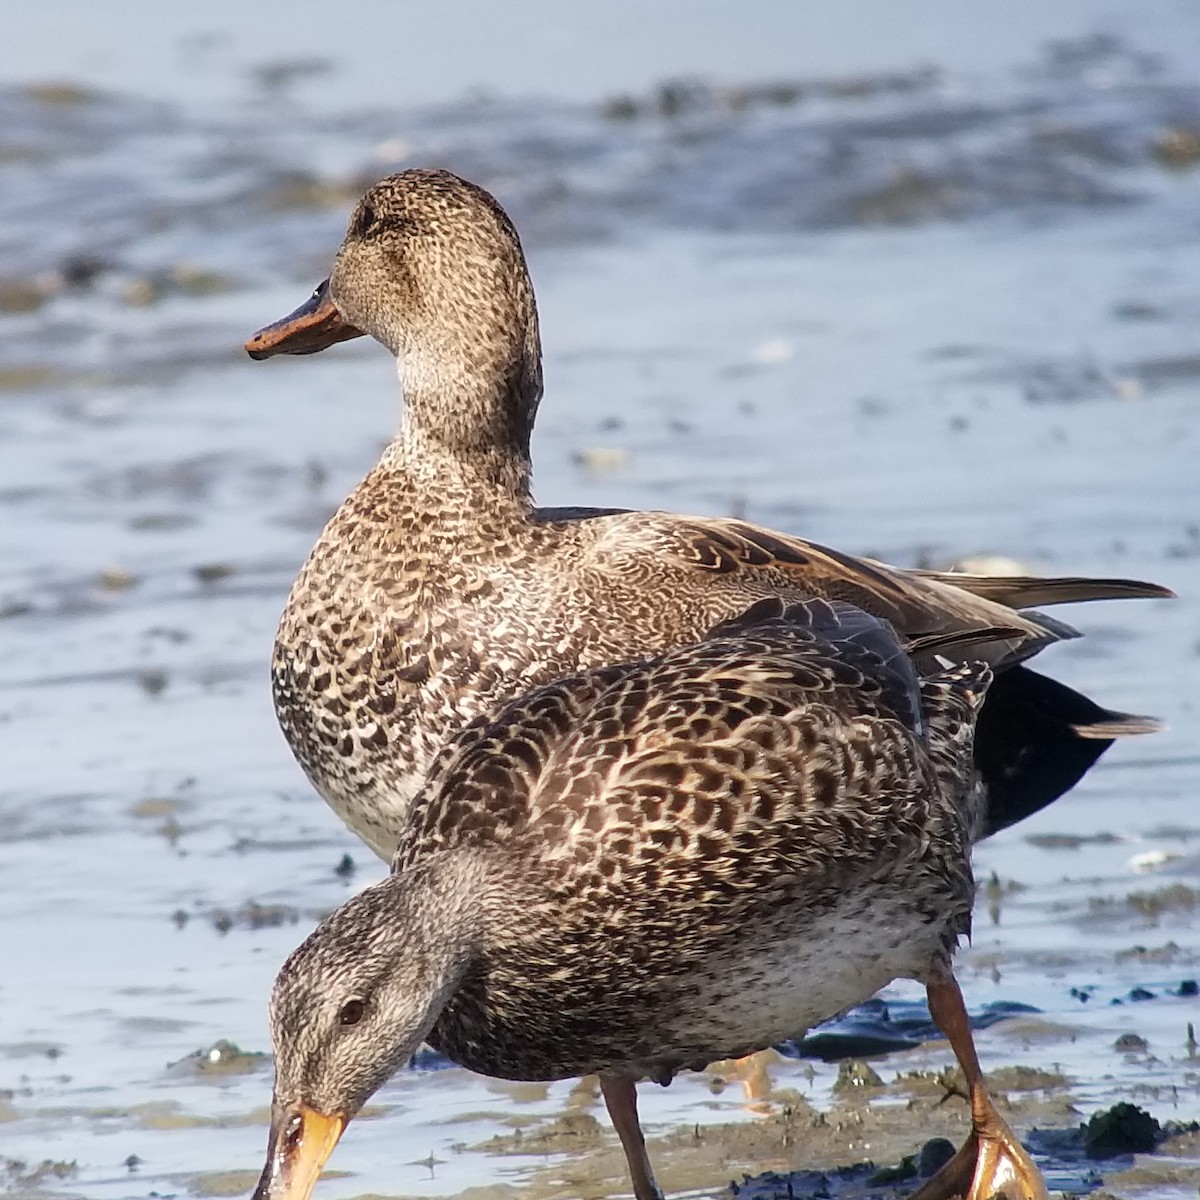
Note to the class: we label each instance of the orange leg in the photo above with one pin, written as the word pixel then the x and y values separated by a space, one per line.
pixel 751 1072
pixel 620 1095
pixel 992 1162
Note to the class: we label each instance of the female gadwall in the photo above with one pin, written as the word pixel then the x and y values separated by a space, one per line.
pixel 638 869
pixel 438 590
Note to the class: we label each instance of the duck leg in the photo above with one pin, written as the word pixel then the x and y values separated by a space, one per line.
pixel 752 1073
pixel 992 1162
pixel 620 1096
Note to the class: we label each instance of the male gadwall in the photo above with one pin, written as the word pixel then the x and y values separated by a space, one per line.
pixel 641 868
pixel 438 590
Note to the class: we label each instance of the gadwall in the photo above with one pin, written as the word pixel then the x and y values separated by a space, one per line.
pixel 438 590
pixel 641 868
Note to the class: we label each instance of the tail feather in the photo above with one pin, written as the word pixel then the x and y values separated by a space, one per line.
pixel 1035 739
pixel 957 639
pixel 1028 591
pixel 1118 725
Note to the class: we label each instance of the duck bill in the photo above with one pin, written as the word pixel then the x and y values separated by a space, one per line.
pixel 315 325
pixel 302 1139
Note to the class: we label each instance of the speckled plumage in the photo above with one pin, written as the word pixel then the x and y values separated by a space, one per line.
pixel 641 868
pixel 651 865
pixel 439 590
pixel 703 851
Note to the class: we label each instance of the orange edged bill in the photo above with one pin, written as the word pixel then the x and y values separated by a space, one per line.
pixel 301 1141
pixel 314 326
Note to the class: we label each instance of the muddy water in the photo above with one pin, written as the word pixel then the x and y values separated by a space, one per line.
pixel 925 312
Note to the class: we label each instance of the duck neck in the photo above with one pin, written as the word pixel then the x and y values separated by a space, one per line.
pixel 437 894
pixel 468 418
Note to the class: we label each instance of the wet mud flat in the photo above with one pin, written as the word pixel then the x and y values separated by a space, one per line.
pixel 909 313
pixel 876 1139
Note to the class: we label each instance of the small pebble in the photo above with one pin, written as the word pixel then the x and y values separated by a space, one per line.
pixel 1177 147
pixel 1122 1129
pixel 602 458
pixel 934 1155
pixel 116 579
pixel 140 293
pixel 20 296
pixel 1152 860
pixel 1130 1043
pixel 152 681
pixel 854 1075
pixel 212 572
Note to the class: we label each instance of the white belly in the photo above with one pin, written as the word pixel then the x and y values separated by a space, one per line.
pixel 770 988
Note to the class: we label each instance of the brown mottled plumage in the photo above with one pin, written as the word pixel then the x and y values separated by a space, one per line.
pixel 644 867
pixel 439 590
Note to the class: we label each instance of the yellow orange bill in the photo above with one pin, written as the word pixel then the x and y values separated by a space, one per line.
pixel 314 326
pixel 302 1139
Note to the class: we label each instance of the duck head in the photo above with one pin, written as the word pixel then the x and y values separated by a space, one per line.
pixel 350 1007
pixel 432 267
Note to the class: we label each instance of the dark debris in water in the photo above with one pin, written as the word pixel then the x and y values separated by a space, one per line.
pixel 213 572
pixel 1070 841
pixel 930 1159
pixel 1116 1132
pixel 1184 989
pixel 1131 1043
pixel 1165 954
pixel 281 74
pixel 862 1179
pixel 1152 904
pixel 16 1175
pixel 856 1077
pixel 868 1180
pixel 680 98
pixel 221 1058
pixel 1177 147
pixel 428 1059
pixel 881 1026
pixel 252 915
pixel 1067 1158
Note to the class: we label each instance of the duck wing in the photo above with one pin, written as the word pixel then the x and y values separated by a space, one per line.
pixel 764 760
pixel 701 559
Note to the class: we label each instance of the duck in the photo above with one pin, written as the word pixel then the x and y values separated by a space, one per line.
pixel 640 868
pixel 439 590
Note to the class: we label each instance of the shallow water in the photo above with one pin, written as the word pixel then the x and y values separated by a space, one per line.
pixel 923 312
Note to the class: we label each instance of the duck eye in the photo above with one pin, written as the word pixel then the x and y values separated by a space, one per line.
pixel 351 1012
pixel 365 218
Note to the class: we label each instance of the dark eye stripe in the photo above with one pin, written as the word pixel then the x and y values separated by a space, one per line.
pixel 366 218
